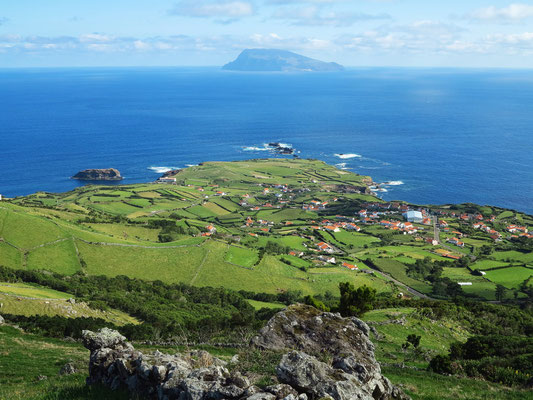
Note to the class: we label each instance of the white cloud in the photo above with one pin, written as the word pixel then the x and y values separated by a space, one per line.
pixel 512 13
pixel 213 9
pixel 320 16
pixel 95 37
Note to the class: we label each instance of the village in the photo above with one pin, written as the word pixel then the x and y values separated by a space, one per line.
pixel 444 230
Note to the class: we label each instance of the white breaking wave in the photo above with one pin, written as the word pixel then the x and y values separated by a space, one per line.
pixel 255 148
pixel 379 190
pixel 162 170
pixel 393 183
pixel 191 165
pixel 341 165
pixel 347 156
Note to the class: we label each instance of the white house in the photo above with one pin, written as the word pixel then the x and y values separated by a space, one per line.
pixel 413 216
pixel 167 180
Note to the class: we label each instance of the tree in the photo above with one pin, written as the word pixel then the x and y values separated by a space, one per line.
pixel 311 301
pixel 500 292
pixel 441 365
pixel 355 302
pixel 414 340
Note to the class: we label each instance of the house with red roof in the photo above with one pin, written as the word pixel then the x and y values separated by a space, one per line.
pixel 349 266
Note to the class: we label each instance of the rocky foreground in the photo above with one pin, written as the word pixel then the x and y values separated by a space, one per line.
pixel 328 357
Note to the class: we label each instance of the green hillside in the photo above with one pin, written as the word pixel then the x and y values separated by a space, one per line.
pixel 159 231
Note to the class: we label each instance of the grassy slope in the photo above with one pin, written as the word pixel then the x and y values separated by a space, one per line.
pixel 25 299
pixel 435 338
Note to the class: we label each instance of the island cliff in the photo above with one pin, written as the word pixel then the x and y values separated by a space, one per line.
pixel 278 60
pixel 106 174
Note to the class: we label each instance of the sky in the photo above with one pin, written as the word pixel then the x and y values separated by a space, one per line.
pixel 414 33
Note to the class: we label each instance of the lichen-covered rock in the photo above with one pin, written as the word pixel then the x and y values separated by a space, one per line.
pixel 104 338
pixel 351 371
pixel 193 376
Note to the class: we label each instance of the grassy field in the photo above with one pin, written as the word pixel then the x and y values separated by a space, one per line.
pixel 241 256
pixel 30 290
pixel 422 385
pixel 262 304
pixel 435 337
pixel 510 277
pixel 480 286
pixel 516 256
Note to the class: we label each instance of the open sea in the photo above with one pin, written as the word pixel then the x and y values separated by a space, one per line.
pixel 438 135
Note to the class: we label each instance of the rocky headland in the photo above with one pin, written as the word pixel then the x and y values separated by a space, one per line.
pixel 103 174
pixel 325 356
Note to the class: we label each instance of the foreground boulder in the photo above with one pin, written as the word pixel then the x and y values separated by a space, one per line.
pixel 331 356
pixel 328 357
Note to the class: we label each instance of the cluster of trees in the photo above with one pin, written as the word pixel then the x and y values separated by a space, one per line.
pixel 497 358
pixel 286 297
pixel 198 314
pixel 57 326
pixel 353 302
pixel 171 231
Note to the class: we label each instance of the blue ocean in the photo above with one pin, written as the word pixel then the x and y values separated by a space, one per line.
pixel 436 135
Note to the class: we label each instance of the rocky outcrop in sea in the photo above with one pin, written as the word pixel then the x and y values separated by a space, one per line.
pixel 104 174
pixel 327 357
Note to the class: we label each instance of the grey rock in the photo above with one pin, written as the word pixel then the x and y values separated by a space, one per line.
pixel 104 338
pixel 262 396
pixel 353 373
pixel 302 371
pixel 2 320
pixel 67 369
pixel 281 391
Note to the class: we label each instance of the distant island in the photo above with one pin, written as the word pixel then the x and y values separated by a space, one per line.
pixel 106 174
pixel 278 60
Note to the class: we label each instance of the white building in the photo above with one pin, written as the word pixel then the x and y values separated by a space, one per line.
pixel 167 180
pixel 413 216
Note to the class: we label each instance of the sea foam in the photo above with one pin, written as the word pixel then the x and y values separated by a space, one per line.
pixel 255 148
pixel 162 170
pixel 347 156
pixel 392 183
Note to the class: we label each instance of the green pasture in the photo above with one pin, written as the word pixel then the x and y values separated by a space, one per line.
pixel 514 256
pixel 510 277
pixel 241 256
pixel 58 257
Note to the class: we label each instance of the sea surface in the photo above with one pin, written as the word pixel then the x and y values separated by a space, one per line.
pixel 438 135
